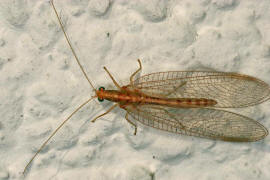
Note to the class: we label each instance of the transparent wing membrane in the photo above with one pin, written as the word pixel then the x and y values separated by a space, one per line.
pixel 230 90
pixel 202 122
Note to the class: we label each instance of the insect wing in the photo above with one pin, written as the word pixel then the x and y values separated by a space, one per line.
pixel 202 122
pixel 230 90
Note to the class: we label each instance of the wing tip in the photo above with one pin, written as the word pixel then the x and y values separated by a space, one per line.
pixel 261 136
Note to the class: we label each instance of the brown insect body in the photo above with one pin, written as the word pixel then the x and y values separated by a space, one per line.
pixel 127 97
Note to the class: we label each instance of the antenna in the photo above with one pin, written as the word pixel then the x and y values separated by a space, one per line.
pixel 69 44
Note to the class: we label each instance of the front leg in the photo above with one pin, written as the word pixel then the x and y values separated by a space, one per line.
pixel 109 110
pixel 114 81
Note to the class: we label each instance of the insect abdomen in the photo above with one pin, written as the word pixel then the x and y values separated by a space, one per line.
pixel 182 102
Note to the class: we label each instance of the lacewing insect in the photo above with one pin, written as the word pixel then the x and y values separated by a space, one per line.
pixel 184 102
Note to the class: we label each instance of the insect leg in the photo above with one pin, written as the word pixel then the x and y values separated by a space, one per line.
pixel 115 83
pixel 170 115
pixel 135 126
pixel 132 76
pixel 109 110
pixel 175 89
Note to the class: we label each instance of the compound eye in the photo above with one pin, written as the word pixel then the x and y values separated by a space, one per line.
pixel 100 99
pixel 101 88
